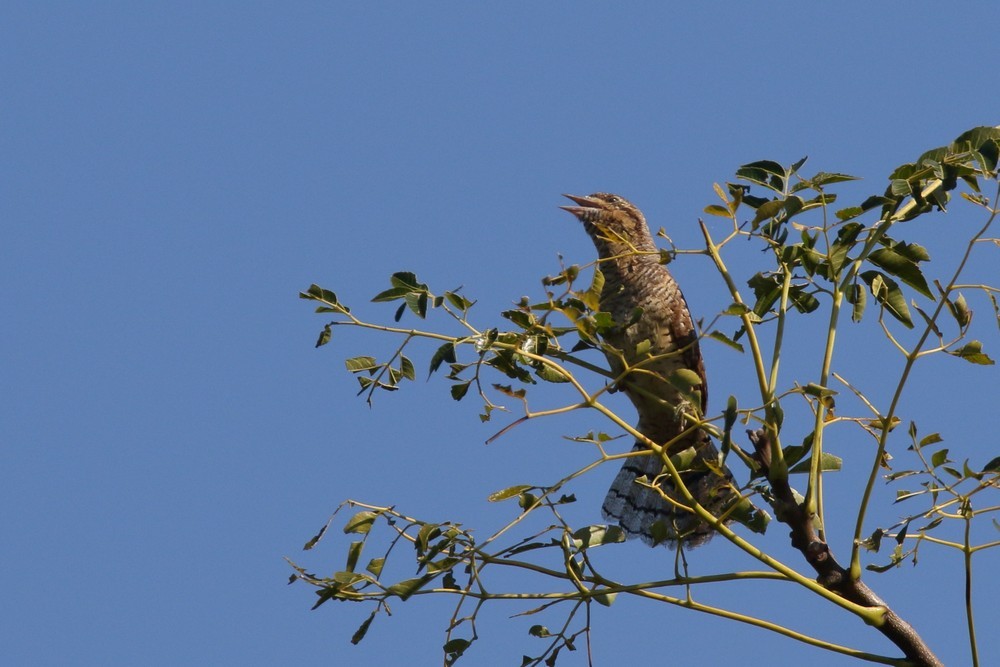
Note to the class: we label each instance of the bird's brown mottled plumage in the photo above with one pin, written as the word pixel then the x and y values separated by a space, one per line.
pixel 635 279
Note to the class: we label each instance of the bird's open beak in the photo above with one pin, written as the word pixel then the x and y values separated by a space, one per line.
pixel 584 204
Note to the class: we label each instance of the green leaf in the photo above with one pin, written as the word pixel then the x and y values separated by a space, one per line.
pixel 527 501
pixel 931 439
pixel 900 187
pixel 726 340
pixel 849 213
pixel 595 536
pixel 824 178
pixel 993 465
pixel 359 364
pixel 959 310
pixel 375 566
pixel 315 539
pixel 768 173
pixel 417 301
pixel 408 587
pixel 856 296
pixel 827 463
pixel 509 492
pixel 407 280
pixel 803 301
pixel 445 353
pixel 455 648
pixel 819 391
pixel 353 553
pixel 317 293
pixel 973 353
pixel 324 336
pixel 750 516
pixel 940 457
pixel 605 599
pixel 360 633
pixel 539 631
pixel 767 211
pixel 874 542
pixel 460 389
pixel 902 267
pixel 458 301
pixel 550 374
pixel 715 209
pixel 391 294
pixel 406 368
pixel 592 297
pixel 886 291
pixel 361 522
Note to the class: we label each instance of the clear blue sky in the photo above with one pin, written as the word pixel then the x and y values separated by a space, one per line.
pixel 174 173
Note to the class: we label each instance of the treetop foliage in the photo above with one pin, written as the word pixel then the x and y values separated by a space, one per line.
pixel 822 259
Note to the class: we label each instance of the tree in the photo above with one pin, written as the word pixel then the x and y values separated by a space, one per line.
pixel 822 261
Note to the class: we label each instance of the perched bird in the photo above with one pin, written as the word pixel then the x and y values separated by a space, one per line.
pixel 653 338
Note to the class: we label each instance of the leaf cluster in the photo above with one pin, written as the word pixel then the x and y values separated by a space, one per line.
pixel 822 258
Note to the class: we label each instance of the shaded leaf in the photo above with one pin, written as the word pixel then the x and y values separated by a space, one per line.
pixel 539 631
pixel 904 268
pixel 886 291
pixel 455 648
pixel 406 367
pixel 856 296
pixel 445 353
pixel 360 633
pixel 959 310
pixel 324 336
pixel 768 173
pixel 458 301
pixel 460 389
pixel 315 539
pixel 408 587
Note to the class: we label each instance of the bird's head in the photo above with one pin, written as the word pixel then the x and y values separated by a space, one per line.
pixel 615 225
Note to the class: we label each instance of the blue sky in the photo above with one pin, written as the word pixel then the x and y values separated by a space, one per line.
pixel 174 173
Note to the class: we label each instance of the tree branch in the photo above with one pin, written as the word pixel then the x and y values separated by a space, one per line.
pixel 831 574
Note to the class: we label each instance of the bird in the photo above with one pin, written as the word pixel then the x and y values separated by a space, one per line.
pixel 653 350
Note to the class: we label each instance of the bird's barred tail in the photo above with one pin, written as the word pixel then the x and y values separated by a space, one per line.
pixel 642 512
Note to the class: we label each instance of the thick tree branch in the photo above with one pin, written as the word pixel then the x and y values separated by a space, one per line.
pixel 831 574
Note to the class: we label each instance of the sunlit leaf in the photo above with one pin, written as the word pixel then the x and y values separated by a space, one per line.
pixel 595 536
pixel 375 566
pixel 973 353
pixel 509 492
pixel 360 522
pixel 827 463
pixel 725 340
